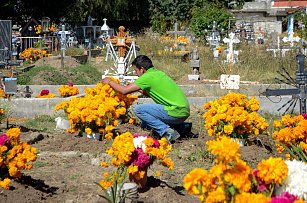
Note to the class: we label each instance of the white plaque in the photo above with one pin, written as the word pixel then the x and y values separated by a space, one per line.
pixel 230 82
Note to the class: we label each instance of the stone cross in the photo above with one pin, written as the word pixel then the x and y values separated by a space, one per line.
pixel 195 65
pixel 230 41
pixel 176 33
pixel 298 93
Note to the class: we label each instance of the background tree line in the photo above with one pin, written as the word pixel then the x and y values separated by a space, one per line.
pixel 160 15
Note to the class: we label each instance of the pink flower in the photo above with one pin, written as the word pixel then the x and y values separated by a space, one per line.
pixel 4 140
pixel 305 116
pixel 70 84
pixel 285 197
pixel 261 184
pixel 140 159
pixel 44 92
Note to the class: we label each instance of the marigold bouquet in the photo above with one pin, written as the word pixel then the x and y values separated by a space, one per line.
pixel 14 156
pixel 137 153
pixel 33 54
pixel 45 94
pixel 231 179
pixel 68 90
pixel 98 111
pixel 291 135
pixel 234 115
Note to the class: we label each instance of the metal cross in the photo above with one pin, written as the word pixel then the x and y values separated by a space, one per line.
pixel 299 93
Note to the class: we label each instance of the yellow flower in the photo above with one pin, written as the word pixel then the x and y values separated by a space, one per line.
pixel 5 183
pixel 104 164
pixel 272 170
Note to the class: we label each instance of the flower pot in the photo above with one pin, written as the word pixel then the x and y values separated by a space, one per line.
pixel 241 142
pixel 141 183
pixel 94 136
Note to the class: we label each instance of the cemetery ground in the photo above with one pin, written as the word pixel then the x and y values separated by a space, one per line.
pixel 67 168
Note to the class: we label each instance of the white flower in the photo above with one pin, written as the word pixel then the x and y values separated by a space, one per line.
pixel 296 181
pixel 138 142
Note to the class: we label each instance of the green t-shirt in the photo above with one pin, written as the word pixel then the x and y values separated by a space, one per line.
pixel 163 90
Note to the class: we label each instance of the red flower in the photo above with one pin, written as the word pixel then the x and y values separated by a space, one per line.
pixel 70 84
pixel 4 140
pixel 44 92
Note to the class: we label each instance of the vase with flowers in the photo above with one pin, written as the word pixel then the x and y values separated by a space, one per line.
pixel 235 116
pixel 137 153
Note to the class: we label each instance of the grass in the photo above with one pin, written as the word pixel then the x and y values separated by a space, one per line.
pixel 44 123
pixel 255 64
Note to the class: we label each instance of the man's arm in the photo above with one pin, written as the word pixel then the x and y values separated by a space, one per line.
pixel 121 88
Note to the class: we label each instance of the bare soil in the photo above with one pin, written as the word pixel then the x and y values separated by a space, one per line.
pixel 67 168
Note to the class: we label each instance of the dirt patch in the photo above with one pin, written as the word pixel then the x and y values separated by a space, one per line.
pixel 67 168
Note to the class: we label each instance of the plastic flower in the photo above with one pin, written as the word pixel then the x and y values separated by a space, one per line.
pixel 296 181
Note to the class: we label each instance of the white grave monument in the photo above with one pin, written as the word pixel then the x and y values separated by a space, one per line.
pixel 232 55
pixel 230 81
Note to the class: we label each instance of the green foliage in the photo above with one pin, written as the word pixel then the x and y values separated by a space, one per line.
pixel 164 13
pixel 203 18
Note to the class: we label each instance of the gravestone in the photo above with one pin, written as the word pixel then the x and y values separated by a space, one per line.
pixel 5 40
pixel 231 55
pixel 194 64
pixel 298 93
pixel 175 32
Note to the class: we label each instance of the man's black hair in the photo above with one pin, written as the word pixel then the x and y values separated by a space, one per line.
pixel 142 61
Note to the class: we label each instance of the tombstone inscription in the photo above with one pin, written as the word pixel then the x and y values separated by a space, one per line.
pixel 298 93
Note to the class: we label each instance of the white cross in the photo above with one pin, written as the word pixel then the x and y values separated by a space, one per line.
pixel 230 41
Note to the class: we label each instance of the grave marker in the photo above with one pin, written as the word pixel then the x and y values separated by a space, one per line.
pixel 122 55
pixel 194 64
pixel 176 33
pixel 299 93
pixel 231 55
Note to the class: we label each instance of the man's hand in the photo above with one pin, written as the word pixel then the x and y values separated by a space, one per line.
pixel 106 80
